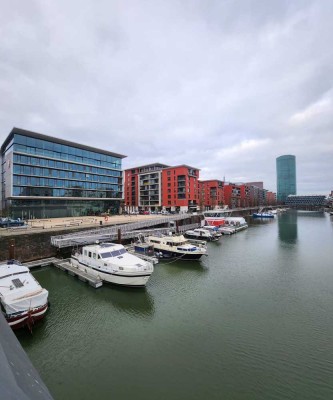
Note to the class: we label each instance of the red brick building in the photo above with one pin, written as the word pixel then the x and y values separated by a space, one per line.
pixel 271 198
pixel 211 194
pixel 232 195
pixel 180 188
pixel 142 187
pixel 245 198
pixel 156 187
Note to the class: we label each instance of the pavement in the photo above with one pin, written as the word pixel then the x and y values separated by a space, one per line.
pixel 57 224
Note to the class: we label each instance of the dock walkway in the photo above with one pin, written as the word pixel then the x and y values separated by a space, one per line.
pixel 65 265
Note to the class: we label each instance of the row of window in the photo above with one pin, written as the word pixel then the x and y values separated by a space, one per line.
pixel 56 149
pixel 35 181
pixel 44 162
pixel 53 192
pixel 56 173
pixel 65 156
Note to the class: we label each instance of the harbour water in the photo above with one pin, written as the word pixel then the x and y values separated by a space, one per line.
pixel 253 320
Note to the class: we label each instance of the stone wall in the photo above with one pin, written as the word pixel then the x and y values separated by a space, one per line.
pixel 30 246
pixel 37 245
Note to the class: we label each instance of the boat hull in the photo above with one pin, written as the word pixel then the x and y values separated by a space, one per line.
pixel 168 255
pixel 27 318
pixel 133 280
pixel 262 215
pixel 200 237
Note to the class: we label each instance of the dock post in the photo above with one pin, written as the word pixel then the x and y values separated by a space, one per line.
pixel 11 249
pixel 119 235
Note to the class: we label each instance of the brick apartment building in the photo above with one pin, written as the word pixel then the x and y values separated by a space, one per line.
pixel 156 187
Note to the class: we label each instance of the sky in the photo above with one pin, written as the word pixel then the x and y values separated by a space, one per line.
pixel 225 86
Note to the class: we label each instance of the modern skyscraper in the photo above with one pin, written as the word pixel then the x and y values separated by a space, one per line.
pixel 286 177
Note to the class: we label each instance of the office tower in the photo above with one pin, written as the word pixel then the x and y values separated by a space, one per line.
pixel 44 177
pixel 286 177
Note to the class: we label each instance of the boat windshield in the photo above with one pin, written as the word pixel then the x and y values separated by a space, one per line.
pixel 115 253
pixel 216 214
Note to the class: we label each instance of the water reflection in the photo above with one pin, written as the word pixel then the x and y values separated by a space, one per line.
pixel 287 223
pixel 134 301
pixel 196 268
pixel 313 214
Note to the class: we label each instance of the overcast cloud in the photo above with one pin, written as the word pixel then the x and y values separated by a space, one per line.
pixel 225 86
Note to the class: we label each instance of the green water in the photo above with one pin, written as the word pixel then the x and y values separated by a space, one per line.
pixel 253 320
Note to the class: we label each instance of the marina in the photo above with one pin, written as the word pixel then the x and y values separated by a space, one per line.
pixel 257 318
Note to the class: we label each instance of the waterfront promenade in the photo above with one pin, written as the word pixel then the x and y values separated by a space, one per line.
pixel 68 223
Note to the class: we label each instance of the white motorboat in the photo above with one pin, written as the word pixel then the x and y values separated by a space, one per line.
pixel 177 246
pixel 227 230
pixel 112 263
pixel 23 300
pixel 236 223
pixel 263 215
pixel 223 218
pixel 214 230
pixel 202 234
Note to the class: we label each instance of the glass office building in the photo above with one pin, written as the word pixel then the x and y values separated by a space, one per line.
pixel 45 177
pixel 286 177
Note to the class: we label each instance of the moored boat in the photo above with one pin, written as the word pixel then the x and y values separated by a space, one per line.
pixel 202 234
pixel 23 300
pixel 222 218
pixel 112 263
pixel 176 247
pixel 263 215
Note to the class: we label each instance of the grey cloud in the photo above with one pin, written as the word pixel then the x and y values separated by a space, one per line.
pixel 213 84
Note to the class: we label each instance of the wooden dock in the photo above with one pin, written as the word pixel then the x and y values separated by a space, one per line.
pixel 45 262
pixel 65 265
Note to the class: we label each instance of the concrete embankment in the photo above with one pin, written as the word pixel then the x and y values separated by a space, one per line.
pixel 34 241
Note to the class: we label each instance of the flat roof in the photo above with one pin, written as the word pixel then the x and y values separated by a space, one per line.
pixel 41 136
pixel 149 165
pixel 210 180
pixel 184 166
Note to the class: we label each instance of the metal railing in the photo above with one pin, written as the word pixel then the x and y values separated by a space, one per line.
pixel 126 231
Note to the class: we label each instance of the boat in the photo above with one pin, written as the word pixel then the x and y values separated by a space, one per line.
pixel 177 247
pixel 226 230
pixel 263 215
pixel 222 229
pixel 222 218
pixel 23 300
pixel 202 234
pixel 216 217
pixel 214 230
pixel 112 263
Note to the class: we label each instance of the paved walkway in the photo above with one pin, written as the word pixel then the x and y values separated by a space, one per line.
pixel 57 224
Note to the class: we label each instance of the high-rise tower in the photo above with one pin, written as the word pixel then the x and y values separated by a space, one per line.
pixel 286 177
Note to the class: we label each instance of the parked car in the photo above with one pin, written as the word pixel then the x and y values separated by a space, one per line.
pixel 8 222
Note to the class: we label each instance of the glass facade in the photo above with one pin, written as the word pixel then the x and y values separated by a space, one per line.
pixel 45 177
pixel 286 177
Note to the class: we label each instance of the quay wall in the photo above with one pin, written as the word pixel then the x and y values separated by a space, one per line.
pixel 30 246
pixel 35 245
